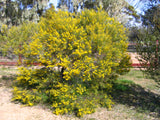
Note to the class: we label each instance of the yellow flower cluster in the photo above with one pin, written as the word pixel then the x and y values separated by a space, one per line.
pixel 80 90
pixel 24 97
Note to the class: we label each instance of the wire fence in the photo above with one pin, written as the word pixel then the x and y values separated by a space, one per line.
pixel 13 60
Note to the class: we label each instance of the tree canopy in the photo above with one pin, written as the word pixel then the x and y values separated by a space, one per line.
pixel 17 11
pixel 148 40
pixel 119 9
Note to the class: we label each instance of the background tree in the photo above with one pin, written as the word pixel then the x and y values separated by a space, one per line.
pixel 14 40
pixel 119 9
pixel 148 42
pixel 17 11
pixel 14 13
pixel 143 5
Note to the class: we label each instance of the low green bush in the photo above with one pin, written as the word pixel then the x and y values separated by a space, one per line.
pixel 122 85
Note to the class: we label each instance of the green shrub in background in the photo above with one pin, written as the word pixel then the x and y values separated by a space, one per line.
pixel 80 55
pixel 148 42
pixel 14 39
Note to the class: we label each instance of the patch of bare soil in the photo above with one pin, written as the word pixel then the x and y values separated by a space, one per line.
pixel 134 57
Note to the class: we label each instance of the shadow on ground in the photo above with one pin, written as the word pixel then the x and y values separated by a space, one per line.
pixel 140 99
pixel 7 80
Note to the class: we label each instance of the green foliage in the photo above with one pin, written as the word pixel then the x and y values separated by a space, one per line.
pixel 79 56
pixel 14 39
pixel 122 85
pixel 148 40
pixel 148 50
pixel 25 96
pixel 15 12
pixel 124 65
pixel 119 9
pixel 152 17
pixel 42 86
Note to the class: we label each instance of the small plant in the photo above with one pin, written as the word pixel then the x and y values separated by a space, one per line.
pixel 122 85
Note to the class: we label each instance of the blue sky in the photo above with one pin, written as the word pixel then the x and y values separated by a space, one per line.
pixel 54 2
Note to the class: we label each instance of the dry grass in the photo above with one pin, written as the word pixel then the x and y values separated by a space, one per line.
pixel 138 77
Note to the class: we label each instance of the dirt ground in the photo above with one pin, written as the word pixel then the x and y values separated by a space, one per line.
pixel 134 57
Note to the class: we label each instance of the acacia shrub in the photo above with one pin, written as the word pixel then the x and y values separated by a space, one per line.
pixel 15 38
pixel 87 49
